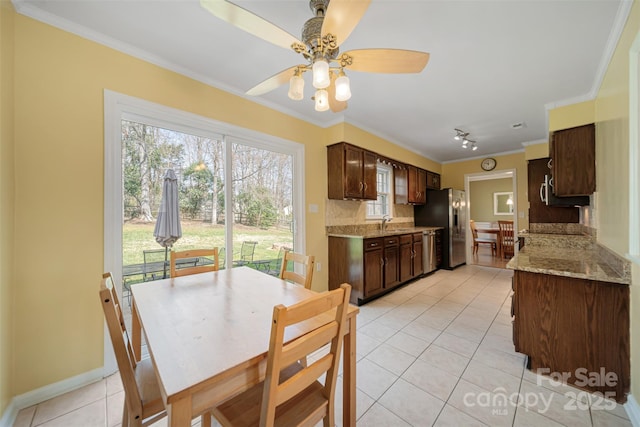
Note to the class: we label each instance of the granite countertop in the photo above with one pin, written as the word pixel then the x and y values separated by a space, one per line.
pixel 388 232
pixel 564 261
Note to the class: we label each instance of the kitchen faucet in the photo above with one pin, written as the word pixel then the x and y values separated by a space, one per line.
pixel 383 224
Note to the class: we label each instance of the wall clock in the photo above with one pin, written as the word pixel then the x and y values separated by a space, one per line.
pixel 488 164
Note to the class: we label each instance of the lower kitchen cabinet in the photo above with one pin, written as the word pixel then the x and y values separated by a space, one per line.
pixel 373 262
pixel 373 266
pixel 574 327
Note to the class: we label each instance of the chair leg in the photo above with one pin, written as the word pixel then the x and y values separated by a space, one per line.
pixel 125 415
pixel 206 419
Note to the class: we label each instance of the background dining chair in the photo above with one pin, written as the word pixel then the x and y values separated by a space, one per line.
pixel 296 392
pixel 143 403
pixel 506 238
pixel 193 261
pixel 246 253
pixel 306 260
pixel 484 241
pixel 155 266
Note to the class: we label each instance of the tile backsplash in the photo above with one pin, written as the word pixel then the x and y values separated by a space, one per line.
pixel 353 212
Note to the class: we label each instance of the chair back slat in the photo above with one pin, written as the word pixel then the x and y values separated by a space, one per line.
pixel 198 256
pixel 121 344
pixel 330 310
pixel 307 261
pixel 308 343
pixel 506 237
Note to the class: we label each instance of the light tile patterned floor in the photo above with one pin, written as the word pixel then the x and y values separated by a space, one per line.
pixel 435 352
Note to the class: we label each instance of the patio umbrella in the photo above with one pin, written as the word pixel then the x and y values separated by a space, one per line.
pixel 168 229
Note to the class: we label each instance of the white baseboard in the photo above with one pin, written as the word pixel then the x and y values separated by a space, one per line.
pixel 47 392
pixel 633 410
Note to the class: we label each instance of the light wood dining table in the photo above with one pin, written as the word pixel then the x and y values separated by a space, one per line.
pixel 208 336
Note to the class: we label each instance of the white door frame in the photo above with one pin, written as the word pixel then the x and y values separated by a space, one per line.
pixel 118 106
pixel 484 176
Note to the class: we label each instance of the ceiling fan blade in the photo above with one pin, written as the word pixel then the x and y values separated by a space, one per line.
pixel 387 60
pixel 273 82
pixel 249 22
pixel 342 17
pixel 335 105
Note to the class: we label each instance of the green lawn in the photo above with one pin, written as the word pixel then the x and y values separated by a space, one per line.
pixel 138 236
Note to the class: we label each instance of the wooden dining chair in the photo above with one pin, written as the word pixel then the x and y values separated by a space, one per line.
pixel 506 238
pixel 143 403
pixel 293 395
pixel 477 241
pixel 307 261
pixel 204 260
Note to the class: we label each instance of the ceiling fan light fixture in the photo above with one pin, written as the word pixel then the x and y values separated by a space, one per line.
pixel 343 87
pixel 322 100
pixel 321 77
pixel 296 87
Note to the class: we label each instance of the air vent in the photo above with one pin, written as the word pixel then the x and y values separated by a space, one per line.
pixel 519 125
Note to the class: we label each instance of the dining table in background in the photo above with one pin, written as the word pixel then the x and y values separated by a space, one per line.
pixel 208 336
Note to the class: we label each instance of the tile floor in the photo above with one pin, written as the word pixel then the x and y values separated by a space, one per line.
pixel 436 352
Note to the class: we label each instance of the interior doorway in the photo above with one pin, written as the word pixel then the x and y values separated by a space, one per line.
pixel 491 197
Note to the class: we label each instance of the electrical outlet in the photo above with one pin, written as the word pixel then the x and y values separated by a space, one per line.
pixel 318 266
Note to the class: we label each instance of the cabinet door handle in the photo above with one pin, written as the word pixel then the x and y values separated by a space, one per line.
pixel 543 196
pixel 381 261
pixel 361 185
pixel 365 186
pixel 550 164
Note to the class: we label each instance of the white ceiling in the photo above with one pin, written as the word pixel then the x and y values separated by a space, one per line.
pixel 493 63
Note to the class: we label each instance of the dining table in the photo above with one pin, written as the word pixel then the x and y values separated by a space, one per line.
pixel 495 231
pixel 208 337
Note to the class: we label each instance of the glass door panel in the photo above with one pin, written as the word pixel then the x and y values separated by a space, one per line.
pixel 263 220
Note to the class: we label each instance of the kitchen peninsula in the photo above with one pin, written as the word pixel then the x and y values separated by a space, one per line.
pixel 571 312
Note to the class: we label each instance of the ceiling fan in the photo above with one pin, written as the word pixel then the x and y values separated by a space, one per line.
pixel 322 36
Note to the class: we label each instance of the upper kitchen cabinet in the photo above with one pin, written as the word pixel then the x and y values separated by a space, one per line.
pixel 573 167
pixel 352 172
pixel 417 194
pixel 401 186
pixel 433 180
pixel 539 211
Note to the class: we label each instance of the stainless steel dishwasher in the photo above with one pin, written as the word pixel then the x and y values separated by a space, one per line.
pixel 429 251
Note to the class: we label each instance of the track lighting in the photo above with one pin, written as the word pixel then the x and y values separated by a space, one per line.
pixel 463 136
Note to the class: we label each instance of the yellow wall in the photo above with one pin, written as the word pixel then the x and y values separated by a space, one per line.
pixel 59 83
pixel 481 199
pixel 572 115
pixel 536 151
pixel 6 200
pixel 453 176
pixel 612 171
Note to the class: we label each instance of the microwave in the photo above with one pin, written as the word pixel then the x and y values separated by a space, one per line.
pixel 548 198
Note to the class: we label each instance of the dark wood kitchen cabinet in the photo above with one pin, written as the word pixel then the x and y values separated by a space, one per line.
pixel 351 172
pixel 390 264
pixel 572 325
pixel 417 186
pixel 539 212
pixel 433 180
pixel 573 167
pixel 417 267
pixel 401 186
pixel 373 266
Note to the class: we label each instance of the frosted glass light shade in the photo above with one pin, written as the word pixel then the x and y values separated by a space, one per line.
pixel 321 78
pixel 296 88
pixel 322 100
pixel 343 89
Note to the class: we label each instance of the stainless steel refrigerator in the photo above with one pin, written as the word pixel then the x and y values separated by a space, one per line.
pixel 446 208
